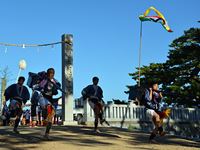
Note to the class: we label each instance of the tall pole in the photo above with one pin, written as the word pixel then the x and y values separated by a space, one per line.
pixel 140 49
pixel 67 79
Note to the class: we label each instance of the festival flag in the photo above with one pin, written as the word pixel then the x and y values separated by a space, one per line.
pixel 158 19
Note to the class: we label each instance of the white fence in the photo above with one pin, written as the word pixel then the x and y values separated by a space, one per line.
pixel 183 122
pixel 131 112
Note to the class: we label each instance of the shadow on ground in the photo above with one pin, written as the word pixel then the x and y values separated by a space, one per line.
pixel 138 139
pixel 65 134
pixel 82 136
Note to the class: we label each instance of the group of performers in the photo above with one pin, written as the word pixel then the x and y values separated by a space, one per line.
pixel 47 86
pixel 43 92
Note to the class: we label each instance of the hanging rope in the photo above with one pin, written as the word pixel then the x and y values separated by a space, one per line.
pixel 33 45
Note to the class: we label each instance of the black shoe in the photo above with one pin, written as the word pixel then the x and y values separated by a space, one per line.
pixel 162 133
pixel 47 137
pixel 153 141
pixel 107 123
pixel 97 131
pixel 152 136
pixel 104 120
pixel 16 131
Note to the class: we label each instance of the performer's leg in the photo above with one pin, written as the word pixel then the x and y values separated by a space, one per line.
pixel 96 122
pixel 48 127
pixel 101 117
pixel 93 106
pixel 152 136
pixel 45 123
pixel 100 107
pixel 4 122
pixel 8 119
pixel 43 105
pixel 156 122
pixel 33 114
pixel 34 103
pixel 47 131
pixel 16 124
pixel 19 114
pixel 12 113
pixel 54 119
pixel 161 131
pixel 100 110
pixel 39 118
pixel 50 115
pixel 97 116
pixel 44 116
pixel 57 120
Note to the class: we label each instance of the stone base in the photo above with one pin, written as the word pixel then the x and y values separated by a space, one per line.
pixel 71 123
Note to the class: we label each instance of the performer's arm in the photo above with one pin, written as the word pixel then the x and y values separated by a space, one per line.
pixel 150 93
pixel 84 92
pixel 148 99
pixel 101 93
pixel 26 95
pixel 8 92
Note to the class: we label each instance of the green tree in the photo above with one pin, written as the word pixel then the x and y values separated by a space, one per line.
pixel 179 75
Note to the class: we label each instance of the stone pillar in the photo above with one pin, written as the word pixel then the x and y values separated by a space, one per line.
pixel 67 79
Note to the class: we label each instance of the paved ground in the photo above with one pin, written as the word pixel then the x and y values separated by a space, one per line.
pixel 83 138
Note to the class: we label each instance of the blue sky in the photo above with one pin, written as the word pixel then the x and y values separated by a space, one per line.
pixel 106 37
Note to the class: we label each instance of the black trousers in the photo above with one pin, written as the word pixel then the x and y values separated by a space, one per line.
pixel 34 104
